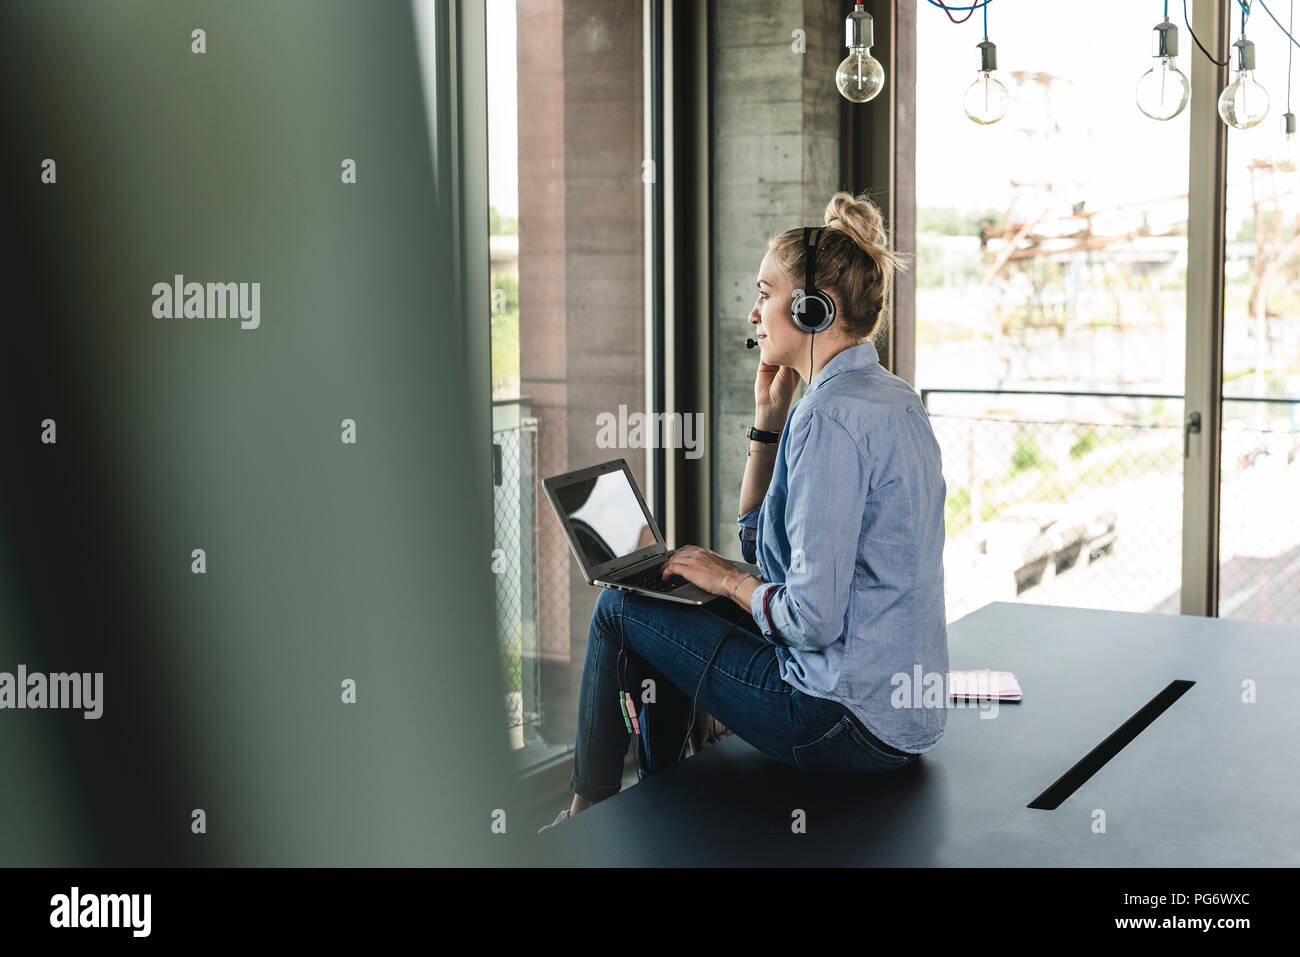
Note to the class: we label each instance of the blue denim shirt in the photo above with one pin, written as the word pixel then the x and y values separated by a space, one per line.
pixel 850 539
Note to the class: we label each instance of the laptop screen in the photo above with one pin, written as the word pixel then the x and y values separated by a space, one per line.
pixel 605 516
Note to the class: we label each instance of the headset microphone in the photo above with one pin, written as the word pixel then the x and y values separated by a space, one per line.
pixel 750 343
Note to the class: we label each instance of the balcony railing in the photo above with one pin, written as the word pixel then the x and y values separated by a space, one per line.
pixel 514 557
pixel 1075 498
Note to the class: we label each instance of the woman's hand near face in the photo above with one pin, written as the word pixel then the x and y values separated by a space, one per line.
pixel 704 568
pixel 774 388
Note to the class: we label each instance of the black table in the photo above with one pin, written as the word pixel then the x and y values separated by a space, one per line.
pixel 1211 782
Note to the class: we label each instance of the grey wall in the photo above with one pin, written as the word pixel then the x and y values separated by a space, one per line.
pixel 776 163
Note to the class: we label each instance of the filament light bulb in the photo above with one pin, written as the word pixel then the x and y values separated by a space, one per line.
pixel 860 76
pixel 986 99
pixel 1243 102
pixel 1163 90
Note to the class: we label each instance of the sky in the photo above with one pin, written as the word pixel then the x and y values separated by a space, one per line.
pixel 1105 151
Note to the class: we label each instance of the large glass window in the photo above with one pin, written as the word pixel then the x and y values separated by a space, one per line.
pixel 566 108
pixel 1050 302
pixel 1259 521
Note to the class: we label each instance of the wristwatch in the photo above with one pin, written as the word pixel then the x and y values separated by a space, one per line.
pixel 758 435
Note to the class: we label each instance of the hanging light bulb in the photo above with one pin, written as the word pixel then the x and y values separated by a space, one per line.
pixel 986 99
pixel 1243 102
pixel 1163 90
pixel 1288 157
pixel 860 76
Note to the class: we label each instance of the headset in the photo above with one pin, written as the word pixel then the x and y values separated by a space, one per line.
pixel 811 309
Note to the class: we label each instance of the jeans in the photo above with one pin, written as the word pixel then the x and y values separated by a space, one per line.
pixel 633 639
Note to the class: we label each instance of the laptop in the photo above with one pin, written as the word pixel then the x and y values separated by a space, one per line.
pixel 614 538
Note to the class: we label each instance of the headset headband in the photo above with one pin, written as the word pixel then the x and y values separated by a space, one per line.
pixel 810 257
pixel 810 299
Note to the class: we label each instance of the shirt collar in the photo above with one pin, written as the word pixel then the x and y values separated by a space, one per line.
pixel 861 356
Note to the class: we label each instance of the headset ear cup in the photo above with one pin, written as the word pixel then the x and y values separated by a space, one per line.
pixel 799 310
pixel 828 311
pixel 812 312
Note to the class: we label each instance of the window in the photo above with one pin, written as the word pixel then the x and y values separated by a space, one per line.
pixel 1259 523
pixel 566 118
pixel 1051 304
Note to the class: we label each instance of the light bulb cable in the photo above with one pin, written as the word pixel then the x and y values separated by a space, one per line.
pixel 1285 31
pixel 948 8
pixel 1197 40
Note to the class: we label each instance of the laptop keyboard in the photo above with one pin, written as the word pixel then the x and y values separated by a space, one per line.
pixel 649 579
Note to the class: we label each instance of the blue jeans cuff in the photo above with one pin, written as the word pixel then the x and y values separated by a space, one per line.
pixel 591 792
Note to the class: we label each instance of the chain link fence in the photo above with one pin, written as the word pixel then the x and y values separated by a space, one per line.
pixel 1088 512
pixel 514 555
pixel 1259 519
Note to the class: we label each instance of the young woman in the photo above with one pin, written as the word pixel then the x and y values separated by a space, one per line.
pixel 816 663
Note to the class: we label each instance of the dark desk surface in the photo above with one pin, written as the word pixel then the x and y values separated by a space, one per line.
pixel 1211 782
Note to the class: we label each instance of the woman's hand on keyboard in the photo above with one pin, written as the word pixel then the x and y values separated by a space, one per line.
pixel 701 567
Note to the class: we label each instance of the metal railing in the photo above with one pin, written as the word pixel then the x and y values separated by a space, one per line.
pixel 1086 510
pixel 514 557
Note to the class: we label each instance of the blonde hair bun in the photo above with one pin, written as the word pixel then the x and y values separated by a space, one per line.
pixel 855 260
pixel 860 218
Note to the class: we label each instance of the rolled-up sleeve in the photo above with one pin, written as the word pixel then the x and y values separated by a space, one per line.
pixel 823 519
pixel 748 528
pixel 758 607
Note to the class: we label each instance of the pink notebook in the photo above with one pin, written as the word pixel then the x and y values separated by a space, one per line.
pixel 1000 685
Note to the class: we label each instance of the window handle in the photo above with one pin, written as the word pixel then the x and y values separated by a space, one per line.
pixel 1193 424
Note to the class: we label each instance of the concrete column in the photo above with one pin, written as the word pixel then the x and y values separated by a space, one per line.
pixel 776 163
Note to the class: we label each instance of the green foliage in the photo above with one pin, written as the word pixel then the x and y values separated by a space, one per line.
pixel 932 221
pixel 1086 443
pixel 509 285
pixel 947 221
pixel 499 225
pixel 931 272
pixel 514 666
pixel 505 332
pixel 1026 456
pixel 956 511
